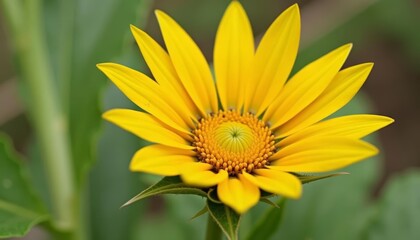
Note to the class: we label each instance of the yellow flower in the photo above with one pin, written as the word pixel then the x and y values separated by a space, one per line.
pixel 250 128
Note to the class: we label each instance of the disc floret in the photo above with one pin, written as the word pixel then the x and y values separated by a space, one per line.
pixel 233 142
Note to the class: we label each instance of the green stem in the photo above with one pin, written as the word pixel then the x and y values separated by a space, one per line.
pixel 213 230
pixel 48 119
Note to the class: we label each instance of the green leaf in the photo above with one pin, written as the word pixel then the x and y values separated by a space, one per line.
pixel 111 180
pixel 226 218
pixel 100 37
pixel 168 217
pixel 268 224
pixel 20 209
pixel 168 185
pixel 307 178
pixel 398 211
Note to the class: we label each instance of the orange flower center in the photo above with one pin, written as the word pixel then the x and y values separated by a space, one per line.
pixel 233 142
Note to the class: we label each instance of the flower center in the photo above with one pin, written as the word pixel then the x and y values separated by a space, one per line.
pixel 233 137
pixel 233 142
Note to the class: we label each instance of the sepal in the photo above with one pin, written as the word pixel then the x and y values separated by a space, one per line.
pixel 307 178
pixel 226 218
pixel 167 185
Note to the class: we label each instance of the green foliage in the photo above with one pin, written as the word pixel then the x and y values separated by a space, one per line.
pixel 169 217
pixel 397 214
pixel 226 218
pixel 111 180
pixel 20 209
pixel 268 224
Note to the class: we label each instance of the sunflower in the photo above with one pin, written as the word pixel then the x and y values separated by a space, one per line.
pixel 249 128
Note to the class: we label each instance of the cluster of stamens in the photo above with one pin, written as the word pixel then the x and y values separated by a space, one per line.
pixel 233 142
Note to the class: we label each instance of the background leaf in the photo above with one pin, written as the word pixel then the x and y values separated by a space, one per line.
pixel 97 38
pixel 398 210
pixel 169 217
pixel 268 224
pixel 20 209
pixel 111 183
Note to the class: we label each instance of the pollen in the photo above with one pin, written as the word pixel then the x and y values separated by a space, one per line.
pixel 233 142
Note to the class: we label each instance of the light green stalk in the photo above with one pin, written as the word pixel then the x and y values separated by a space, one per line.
pixel 25 23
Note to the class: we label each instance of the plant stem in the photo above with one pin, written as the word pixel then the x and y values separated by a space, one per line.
pixel 48 119
pixel 213 230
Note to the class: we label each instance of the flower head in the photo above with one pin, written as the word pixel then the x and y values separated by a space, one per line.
pixel 249 128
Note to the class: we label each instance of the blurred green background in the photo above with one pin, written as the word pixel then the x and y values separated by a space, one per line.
pixel 379 200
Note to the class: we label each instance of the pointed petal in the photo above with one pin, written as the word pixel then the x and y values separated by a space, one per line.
pixel 239 194
pixel 306 86
pixel 147 127
pixel 340 91
pixel 201 175
pixel 276 182
pixel 352 126
pixel 274 60
pixel 145 93
pixel 321 154
pixel 233 52
pixel 161 160
pixel 190 64
pixel 164 72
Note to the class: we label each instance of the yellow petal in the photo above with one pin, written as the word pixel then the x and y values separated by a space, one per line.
pixel 147 127
pixel 233 52
pixel 190 64
pixel 340 91
pixel 274 60
pixel 239 194
pixel 276 182
pixel 305 86
pixel 201 175
pixel 352 126
pixel 321 154
pixel 144 92
pixel 161 160
pixel 164 72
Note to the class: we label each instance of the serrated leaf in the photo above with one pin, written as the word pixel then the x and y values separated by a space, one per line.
pixel 226 218
pixel 269 223
pixel 168 185
pixel 307 178
pixel 20 209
